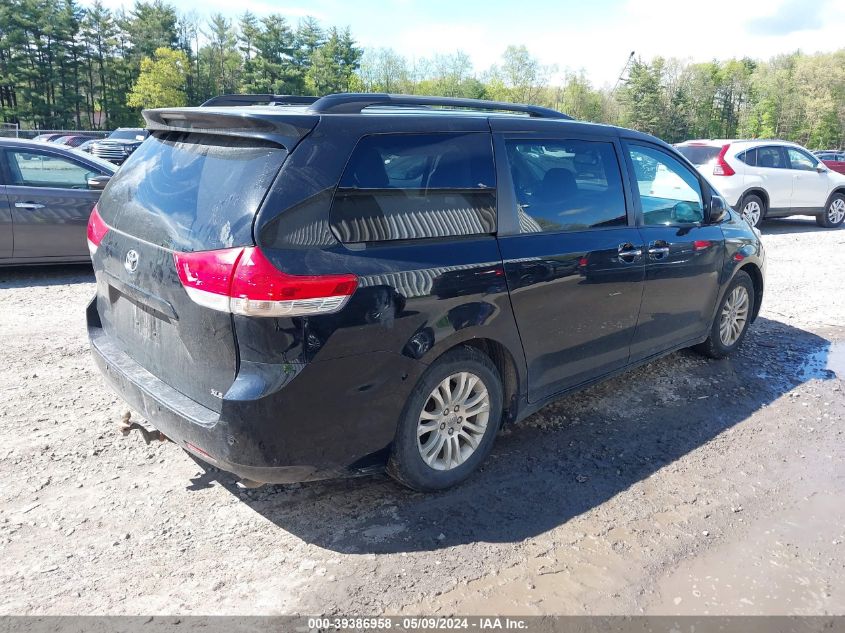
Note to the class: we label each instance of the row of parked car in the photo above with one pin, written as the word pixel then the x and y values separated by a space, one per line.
pixel 115 148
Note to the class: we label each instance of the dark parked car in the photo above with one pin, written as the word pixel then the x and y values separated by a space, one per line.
pixel 48 192
pixel 296 292
pixel 119 144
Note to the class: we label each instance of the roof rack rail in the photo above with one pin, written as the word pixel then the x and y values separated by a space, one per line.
pixel 355 103
pixel 253 99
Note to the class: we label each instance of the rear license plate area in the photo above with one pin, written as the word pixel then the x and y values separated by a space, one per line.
pixel 147 325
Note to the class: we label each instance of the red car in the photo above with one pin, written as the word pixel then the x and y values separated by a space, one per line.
pixel 71 140
pixel 835 160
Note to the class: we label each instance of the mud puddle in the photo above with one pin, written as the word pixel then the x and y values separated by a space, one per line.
pixel 826 361
pixel 783 565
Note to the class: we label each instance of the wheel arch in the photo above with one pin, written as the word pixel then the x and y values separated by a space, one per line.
pixel 756 191
pixel 512 378
pixel 753 271
pixel 838 190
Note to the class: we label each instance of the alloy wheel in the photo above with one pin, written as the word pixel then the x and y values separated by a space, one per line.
pixel 453 421
pixel 752 212
pixel 836 211
pixel 734 316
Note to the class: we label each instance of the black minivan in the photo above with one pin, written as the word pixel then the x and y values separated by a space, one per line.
pixel 314 288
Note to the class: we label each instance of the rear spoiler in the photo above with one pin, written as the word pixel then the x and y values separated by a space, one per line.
pixel 285 129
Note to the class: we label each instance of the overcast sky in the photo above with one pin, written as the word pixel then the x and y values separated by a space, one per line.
pixel 594 35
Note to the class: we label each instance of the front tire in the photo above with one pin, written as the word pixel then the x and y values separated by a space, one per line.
pixel 732 319
pixel 834 213
pixel 449 423
pixel 753 209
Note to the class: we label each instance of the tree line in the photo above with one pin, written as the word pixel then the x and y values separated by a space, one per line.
pixel 67 66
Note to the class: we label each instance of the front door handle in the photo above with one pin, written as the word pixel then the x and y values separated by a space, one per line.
pixel 28 205
pixel 658 249
pixel 628 253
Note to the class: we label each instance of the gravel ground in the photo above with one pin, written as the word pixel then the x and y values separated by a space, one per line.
pixel 686 486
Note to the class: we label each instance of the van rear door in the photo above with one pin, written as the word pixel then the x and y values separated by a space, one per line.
pixel 181 192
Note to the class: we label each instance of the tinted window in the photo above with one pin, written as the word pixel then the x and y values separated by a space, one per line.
pixel 699 154
pixel 569 185
pixel 801 160
pixel 670 194
pixel 33 169
pixel 749 157
pixel 771 158
pixel 414 186
pixel 192 191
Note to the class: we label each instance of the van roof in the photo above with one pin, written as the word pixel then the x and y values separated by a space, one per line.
pixel 358 102
pixel 285 120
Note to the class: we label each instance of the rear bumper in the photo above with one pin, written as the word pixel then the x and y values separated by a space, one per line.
pixel 187 423
pixel 302 432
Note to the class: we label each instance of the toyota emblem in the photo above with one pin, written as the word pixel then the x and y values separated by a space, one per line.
pixel 131 261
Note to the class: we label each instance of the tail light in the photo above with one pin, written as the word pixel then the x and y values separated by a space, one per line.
pixel 97 230
pixel 721 168
pixel 243 281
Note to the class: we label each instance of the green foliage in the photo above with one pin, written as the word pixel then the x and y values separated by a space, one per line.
pixel 152 26
pixel 65 66
pixel 273 70
pixel 333 64
pixel 642 98
pixel 221 55
pixel 520 78
pixel 161 82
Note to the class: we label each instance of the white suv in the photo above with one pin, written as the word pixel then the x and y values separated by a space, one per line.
pixel 769 179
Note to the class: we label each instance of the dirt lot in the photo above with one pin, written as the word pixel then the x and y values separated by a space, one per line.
pixel 688 486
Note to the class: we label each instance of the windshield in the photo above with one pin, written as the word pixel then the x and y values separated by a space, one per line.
pixel 699 154
pixel 129 135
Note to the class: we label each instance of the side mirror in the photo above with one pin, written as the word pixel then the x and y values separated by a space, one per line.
pixel 718 209
pixel 821 168
pixel 98 182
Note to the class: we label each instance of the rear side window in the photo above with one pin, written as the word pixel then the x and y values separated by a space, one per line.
pixel 771 158
pixel 192 192
pixel 416 186
pixel 566 185
pixel 749 157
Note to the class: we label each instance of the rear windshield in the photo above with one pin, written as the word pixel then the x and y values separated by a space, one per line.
pixel 192 192
pixel 699 154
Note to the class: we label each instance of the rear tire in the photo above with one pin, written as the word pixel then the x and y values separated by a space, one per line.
pixel 449 422
pixel 732 319
pixel 753 209
pixel 834 213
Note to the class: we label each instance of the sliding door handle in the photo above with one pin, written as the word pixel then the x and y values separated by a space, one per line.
pixel 28 205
